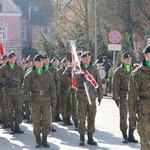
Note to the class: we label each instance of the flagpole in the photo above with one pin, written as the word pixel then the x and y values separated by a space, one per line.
pixel 4 36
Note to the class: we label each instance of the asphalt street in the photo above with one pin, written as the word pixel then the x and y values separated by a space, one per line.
pixel 107 134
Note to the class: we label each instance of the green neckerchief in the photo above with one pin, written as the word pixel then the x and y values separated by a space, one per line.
pixel 11 65
pixel 127 67
pixel 39 70
pixel 85 66
pixel 47 66
pixel 148 63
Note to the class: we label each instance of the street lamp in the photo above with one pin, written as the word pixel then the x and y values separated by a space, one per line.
pixel 95 14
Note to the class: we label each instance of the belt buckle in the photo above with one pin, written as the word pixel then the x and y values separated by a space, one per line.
pixel 41 92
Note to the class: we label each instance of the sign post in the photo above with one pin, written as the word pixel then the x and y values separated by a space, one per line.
pixel 114 38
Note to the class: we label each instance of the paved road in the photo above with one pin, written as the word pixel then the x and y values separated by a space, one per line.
pixel 107 134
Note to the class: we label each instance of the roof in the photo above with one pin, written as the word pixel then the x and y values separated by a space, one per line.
pixel 37 11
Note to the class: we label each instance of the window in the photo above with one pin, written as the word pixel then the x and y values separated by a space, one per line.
pixel 23 33
pixel 1 8
pixel 3 33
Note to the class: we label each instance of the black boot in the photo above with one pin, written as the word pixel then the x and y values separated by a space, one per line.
pixel 17 129
pixel 53 129
pixel 57 118
pixel 12 127
pixel 82 139
pixel 38 141
pixel 44 141
pixel 69 121
pixel 76 125
pixel 91 140
pixel 125 138
pixel 5 125
pixel 64 121
pixel 28 119
pixel 131 137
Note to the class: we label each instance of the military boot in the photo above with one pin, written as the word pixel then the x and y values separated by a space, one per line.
pixel 57 118
pixel 38 141
pixel 131 137
pixel 44 141
pixel 17 129
pixel 125 138
pixel 28 119
pixel 91 140
pixel 12 127
pixel 69 121
pixel 5 125
pixel 82 139
pixel 64 122
pixel 76 125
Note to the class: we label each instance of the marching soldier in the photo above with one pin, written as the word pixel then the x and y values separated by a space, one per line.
pixel 120 91
pixel 26 105
pixel 54 72
pixel 85 109
pixel 40 85
pixel 139 101
pixel 2 98
pixel 12 75
pixel 74 99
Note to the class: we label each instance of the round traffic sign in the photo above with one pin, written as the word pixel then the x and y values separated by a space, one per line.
pixel 114 37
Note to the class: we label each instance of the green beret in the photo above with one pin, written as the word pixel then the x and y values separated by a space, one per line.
pixel 4 57
pixel 79 53
pixel 11 55
pixel 146 49
pixel 126 55
pixel 46 56
pixel 86 53
pixel 38 58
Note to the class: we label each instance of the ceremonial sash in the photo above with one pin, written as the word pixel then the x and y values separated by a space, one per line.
pixel 90 78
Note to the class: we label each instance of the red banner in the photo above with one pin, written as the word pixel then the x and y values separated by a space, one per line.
pixel 1 49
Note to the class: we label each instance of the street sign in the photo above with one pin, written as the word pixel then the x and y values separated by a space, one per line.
pixel 114 47
pixel 114 37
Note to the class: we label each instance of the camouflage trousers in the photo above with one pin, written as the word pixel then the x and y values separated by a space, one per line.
pixel 123 110
pixel 41 117
pixel 2 107
pixel 13 108
pixel 143 126
pixel 86 112
pixel 66 105
pixel 74 106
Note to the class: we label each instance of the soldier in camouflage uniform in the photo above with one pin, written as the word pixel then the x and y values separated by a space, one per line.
pixel 84 109
pixel 54 72
pixel 40 84
pixel 2 97
pixel 120 90
pixel 66 106
pixel 139 91
pixel 12 75
pixel 55 64
pixel 74 100
pixel 26 105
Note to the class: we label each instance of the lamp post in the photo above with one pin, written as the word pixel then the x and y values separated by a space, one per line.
pixel 95 28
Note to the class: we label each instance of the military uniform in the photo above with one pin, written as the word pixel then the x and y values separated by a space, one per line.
pixel 85 110
pixel 120 90
pixel 41 88
pixel 13 77
pixel 66 106
pixel 140 99
pixel 2 97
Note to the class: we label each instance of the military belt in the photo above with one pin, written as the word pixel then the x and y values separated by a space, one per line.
pixel 144 97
